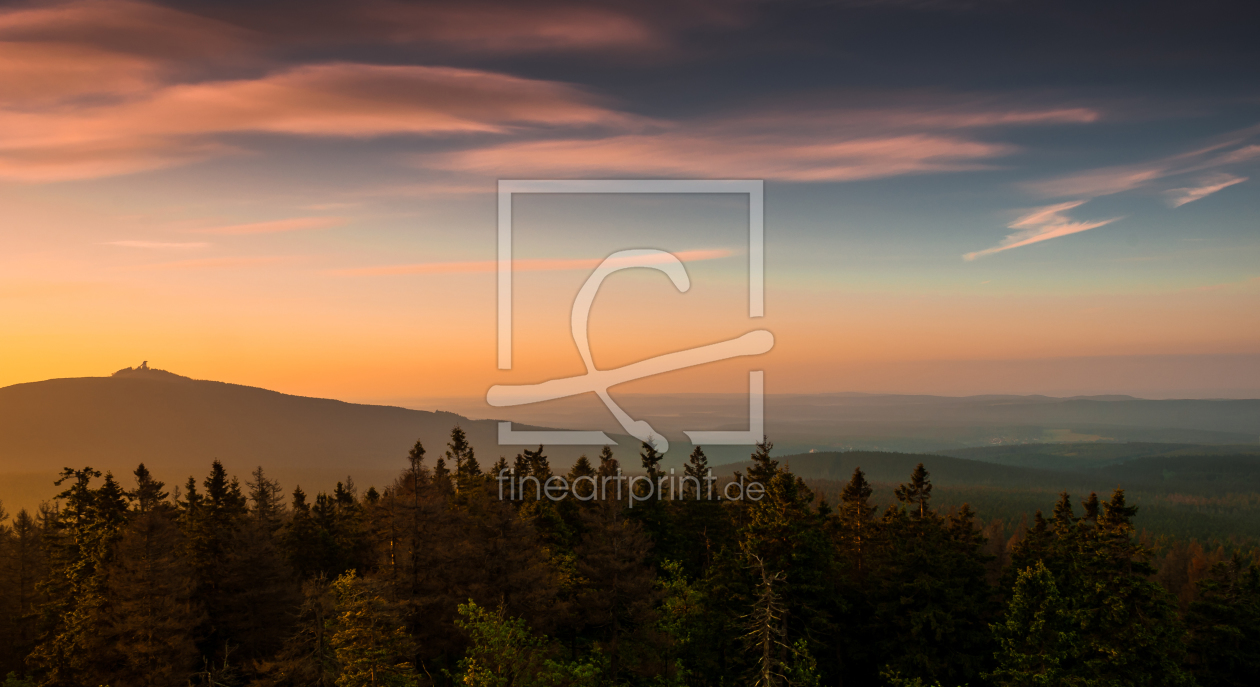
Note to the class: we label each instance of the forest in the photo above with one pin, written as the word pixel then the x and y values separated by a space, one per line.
pixel 433 580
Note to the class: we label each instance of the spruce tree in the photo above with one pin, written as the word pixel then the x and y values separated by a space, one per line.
pixel 932 602
pixel 763 467
pixel 856 524
pixel 22 566
pixel 1131 629
pixel 460 452
pixel 212 522
pixel 81 544
pixel 369 638
pixel 916 493
pixel 150 623
pixel 697 470
pixel 786 539
pixel 259 571
pixel 1038 642
pixel 1225 625
pixel 307 658
pixel 619 593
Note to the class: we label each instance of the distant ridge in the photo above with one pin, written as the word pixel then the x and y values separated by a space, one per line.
pixel 177 426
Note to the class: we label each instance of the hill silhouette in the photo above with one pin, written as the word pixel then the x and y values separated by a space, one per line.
pixel 177 426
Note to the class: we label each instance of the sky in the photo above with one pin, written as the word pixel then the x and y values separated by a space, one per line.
pixel 960 197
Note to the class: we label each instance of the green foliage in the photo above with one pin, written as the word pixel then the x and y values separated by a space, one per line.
pixel 1038 642
pixel 220 586
pixel 504 653
pixel 368 638
pixel 1225 625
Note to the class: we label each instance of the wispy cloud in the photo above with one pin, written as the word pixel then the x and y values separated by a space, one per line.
pixel 518 265
pixel 223 263
pixel 176 124
pixel 275 226
pixel 159 245
pixel 1105 181
pixel 698 154
pixel 1180 196
pixel 818 143
pixel 1042 224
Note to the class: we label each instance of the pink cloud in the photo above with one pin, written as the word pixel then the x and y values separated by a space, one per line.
pixel 701 155
pixel 125 27
pixel 169 126
pixel 509 28
pixel 275 226
pixel 224 263
pixel 518 265
pixel 1042 224
pixel 36 75
pixel 1099 182
pixel 1109 180
pixel 804 144
pixel 1180 196
pixel 158 245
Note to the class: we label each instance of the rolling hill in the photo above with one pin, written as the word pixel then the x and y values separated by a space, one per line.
pixel 177 426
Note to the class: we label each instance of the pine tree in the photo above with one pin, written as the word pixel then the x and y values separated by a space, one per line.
pixel 916 493
pixel 764 467
pixel 1131 629
pixel 81 545
pixel 701 528
pixel 459 451
pixel 786 538
pixel 307 658
pixel 22 565
pixel 265 590
pixel 653 513
pixel 608 465
pixel 932 601
pixel 1128 628
pixel 619 592
pixel 212 523
pixel 539 465
pixel 369 639
pixel 1038 642
pixel 1225 625
pixel 149 625
pixel 855 519
pixel 767 628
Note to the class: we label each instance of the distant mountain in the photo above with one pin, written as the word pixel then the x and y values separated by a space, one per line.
pixel 1085 456
pixel 177 426
pixel 908 423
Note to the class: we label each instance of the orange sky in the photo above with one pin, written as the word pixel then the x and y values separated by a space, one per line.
pixel 309 206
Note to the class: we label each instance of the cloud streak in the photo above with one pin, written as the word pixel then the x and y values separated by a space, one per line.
pixel 176 124
pixel 1042 224
pixel 223 263
pixel 1180 196
pixel 158 245
pixel 1109 180
pixel 685 154
pixel 518 265
pixel 275 226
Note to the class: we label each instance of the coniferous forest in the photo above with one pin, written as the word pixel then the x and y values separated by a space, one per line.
pixel 434 580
